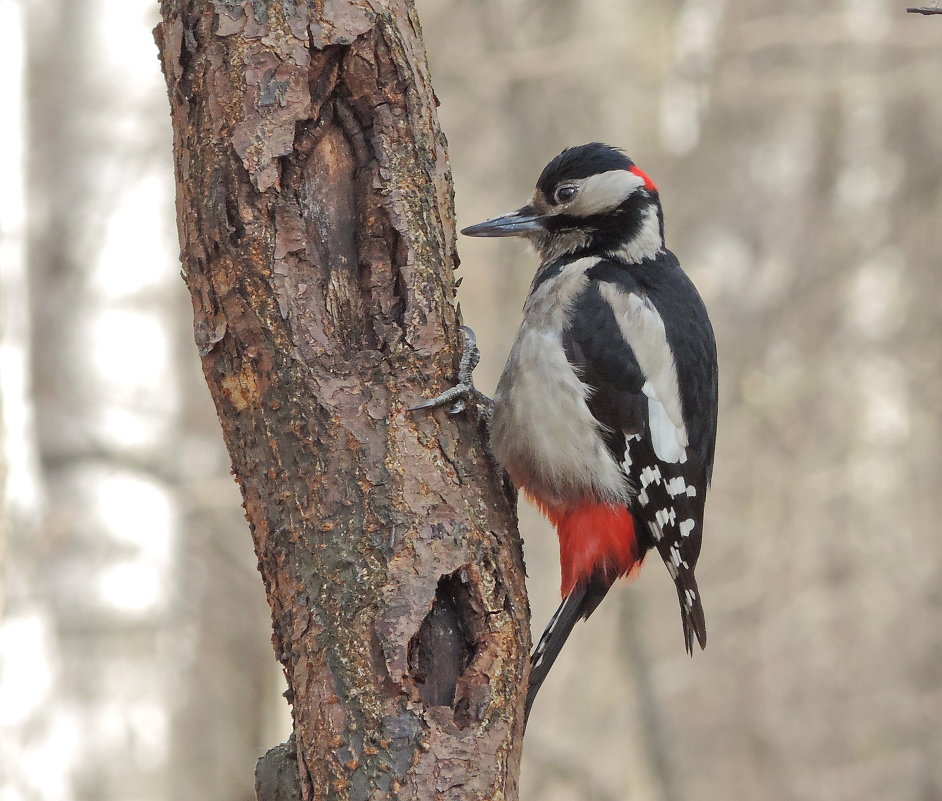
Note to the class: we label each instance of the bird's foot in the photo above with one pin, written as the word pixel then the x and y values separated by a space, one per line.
pixel 459 395
pixel 483 406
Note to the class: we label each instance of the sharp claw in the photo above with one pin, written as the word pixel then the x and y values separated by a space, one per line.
pixel 429 404
pixel 426 405
pixel 470 338
pixel 456 393
pixel 470 355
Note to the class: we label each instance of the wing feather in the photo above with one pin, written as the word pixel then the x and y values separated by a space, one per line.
pixel 617 341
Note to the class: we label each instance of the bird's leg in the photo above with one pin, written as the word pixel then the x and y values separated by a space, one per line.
pixel 464 390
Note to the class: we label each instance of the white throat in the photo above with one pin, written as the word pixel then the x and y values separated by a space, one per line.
pixel 553 247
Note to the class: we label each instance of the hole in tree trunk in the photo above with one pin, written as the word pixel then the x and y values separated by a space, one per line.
pixel 444 646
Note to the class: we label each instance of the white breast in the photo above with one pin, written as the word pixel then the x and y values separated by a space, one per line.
pixel 542 431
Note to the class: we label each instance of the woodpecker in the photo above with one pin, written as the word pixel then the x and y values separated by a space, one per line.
pixel 605 413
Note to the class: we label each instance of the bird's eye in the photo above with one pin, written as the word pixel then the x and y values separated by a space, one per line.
pixel 565 193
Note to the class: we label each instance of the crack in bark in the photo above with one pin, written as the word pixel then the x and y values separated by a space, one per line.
pixel 353 130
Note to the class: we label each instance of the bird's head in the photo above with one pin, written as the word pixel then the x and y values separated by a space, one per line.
pixel 589 200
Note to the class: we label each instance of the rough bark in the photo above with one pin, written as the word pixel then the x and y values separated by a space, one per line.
pixel 317 236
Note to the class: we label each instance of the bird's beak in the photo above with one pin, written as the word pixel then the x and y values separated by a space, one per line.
pixel 518 223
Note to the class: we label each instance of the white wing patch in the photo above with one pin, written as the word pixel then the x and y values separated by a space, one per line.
pixel 669 440
pixel 643 328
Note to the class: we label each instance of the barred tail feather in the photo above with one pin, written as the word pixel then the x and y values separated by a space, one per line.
pixel 691 612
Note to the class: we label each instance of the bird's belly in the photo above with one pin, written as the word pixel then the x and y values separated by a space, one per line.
pixel 542 431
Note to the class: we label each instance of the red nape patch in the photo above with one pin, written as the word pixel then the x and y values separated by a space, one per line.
pixel 592 537
pixel 648 183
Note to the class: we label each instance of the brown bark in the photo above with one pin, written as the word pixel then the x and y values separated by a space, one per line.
pixel 317 236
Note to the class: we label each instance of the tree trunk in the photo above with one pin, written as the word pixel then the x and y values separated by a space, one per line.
pixel 317 235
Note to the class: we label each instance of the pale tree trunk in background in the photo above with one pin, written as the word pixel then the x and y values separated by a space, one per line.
pixel 316 224
pixel 67 550
pixel 19 480
pixel 110 695
pixel 28 650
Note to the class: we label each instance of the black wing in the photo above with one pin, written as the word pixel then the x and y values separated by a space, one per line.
pixel 668 496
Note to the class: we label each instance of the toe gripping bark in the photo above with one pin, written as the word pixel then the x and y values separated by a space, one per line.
pixel 464 391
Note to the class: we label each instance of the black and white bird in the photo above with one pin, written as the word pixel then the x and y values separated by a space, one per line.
pixel 605 414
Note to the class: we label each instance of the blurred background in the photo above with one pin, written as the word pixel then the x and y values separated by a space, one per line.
pixel 798 150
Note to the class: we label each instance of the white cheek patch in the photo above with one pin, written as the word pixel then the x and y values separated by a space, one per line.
pixel 646 243
pixel 602 192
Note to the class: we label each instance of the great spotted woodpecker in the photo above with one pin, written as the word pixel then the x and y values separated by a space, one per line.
pixel 605 414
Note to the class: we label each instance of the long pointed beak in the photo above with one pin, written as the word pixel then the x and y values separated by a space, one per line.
pixel 518 223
